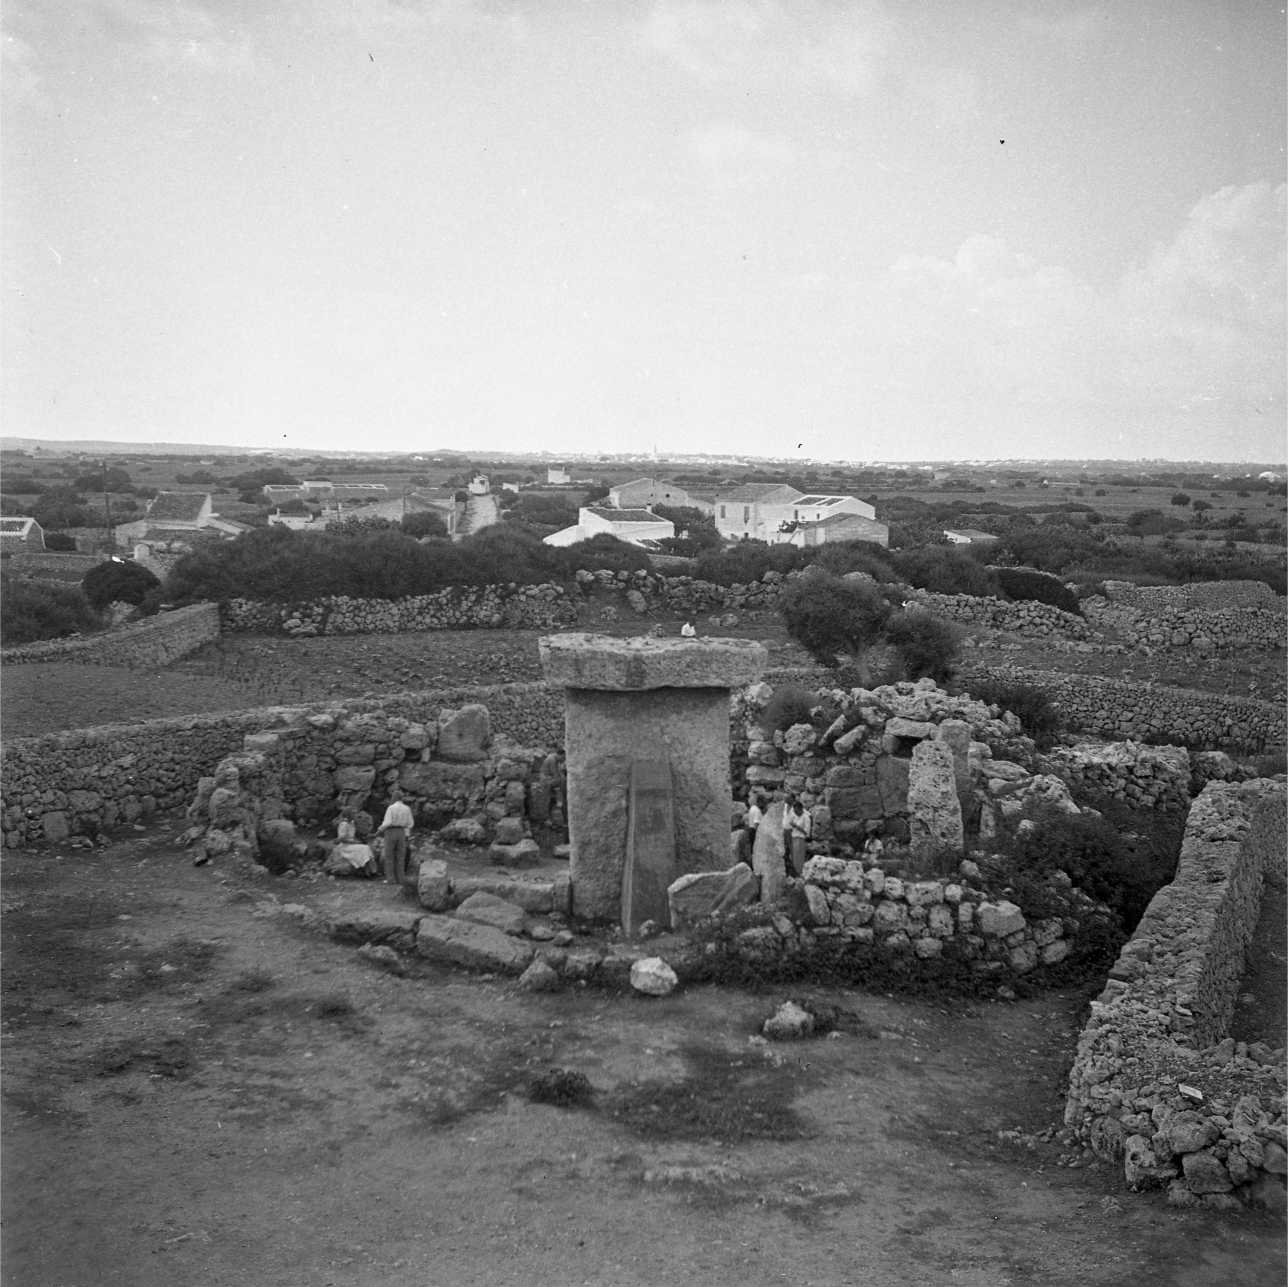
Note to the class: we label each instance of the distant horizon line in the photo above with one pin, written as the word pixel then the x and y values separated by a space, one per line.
pixel 21 443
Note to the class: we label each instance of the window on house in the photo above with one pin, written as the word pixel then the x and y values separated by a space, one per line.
pixel 722 511
pixel 746 513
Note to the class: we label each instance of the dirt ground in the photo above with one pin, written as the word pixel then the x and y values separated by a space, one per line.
pixel 199 1091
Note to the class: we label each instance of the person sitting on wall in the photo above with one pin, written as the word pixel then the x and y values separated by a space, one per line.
pixel 395 830
pixel 797 828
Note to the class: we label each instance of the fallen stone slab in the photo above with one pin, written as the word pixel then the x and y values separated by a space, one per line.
pixel 392 925
pixel 452 941
pixel 433 885
pixel 532 895
pixel 700 894
pixel 527 853
pixel 487 909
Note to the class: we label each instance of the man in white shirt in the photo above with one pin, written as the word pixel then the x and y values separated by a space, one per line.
pixel 395 830
pixel 797 826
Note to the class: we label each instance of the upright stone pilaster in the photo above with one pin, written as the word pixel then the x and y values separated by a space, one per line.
pixel 645 699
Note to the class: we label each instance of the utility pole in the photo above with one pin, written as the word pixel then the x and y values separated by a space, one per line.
pixel 107 507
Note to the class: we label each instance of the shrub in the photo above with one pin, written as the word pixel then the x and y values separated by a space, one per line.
pixel 944 570
pixel 117 582
pixel 1180 498
pixel 831 618
pixel 789 705
pixel 747 561
pixel 31 611
pixel 927 646
pixel 60 542
pixel 842 557
pixel 1028 584
pixel 423 523
pixel 1029 704
pixel 602 553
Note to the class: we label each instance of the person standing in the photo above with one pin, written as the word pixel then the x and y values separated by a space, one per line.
pixel 754 816
pixel 797 828
pixel 395 831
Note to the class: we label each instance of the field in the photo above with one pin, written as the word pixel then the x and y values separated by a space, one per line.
pixel 197 1091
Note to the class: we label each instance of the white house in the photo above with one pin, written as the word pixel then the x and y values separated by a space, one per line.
pixel 20 533
pixel 754 511
pixel 558 476
pixel 970 536
pixel 778 514
pixel 479 485
pixel 637 526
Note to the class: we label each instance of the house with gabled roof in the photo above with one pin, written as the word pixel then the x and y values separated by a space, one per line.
pixel 644 493
pixel 20 534
pixel 778 514
pixel 174 524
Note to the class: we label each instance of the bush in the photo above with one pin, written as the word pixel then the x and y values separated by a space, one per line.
pixel 117 582
pixel 789 705
pixel 1028 703
pixel 944 570
pixel 60 543
pixel 927 646
pixel 31 611
pixel 747 561
pixel 423 523
pixel 833 619
pixel 1027 584
pixel 842 557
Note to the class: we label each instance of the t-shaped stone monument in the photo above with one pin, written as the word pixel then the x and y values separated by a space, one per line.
pixel 647 744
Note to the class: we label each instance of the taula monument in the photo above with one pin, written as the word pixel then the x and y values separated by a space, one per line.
pixel 647 743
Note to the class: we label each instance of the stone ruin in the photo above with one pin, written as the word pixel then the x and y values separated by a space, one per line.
pixel 647 746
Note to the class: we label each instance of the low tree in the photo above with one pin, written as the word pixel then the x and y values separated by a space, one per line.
pixel 35 610
pixel 836 621
pixel 927 646
pixel 1180 498
pixel 117 581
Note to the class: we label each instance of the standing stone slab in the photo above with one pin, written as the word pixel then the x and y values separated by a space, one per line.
pixel 935 822
pixel 664 700
pixel 650 846
pixel 769 854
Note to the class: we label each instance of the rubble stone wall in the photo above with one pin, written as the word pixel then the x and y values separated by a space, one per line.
pixel 1156 1083
pixel 1210 595
pixel 1257 626
pixel 85 780
pixel 154 641
pixel 1119 710
pixel 1027 617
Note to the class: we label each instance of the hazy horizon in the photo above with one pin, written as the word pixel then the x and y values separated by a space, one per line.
pixel 863 231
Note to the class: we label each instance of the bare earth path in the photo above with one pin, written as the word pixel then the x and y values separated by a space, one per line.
pixel 197 1091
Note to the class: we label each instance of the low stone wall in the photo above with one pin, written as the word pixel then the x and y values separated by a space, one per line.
pixel 1210 595
pixel 1025 617
pixel 1201 630
pixel 87 780
pixel 1121 710
pixel 1143 777
pixel 1155 1082
pixel 155 641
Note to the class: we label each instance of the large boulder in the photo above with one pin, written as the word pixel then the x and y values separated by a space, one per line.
pixel 433 885
pixel 653 977
pixel 487 909
pixel 706 893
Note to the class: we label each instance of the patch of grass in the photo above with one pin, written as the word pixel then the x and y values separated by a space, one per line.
pixel 258 980
pixel 156 1056
pixel 562 1087
pixel 722 1098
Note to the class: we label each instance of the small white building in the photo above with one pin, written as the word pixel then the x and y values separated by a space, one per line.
pixel 970 536
pixel 479 485
pixel 20 533
pixel 558 476
pixel 636 526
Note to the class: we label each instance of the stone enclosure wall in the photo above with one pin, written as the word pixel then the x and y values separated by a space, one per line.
pixel 1156 1083
pixel 1025 617
pixel 155 641
pixel 1120 710
pixel 1209 595
pixel 87 780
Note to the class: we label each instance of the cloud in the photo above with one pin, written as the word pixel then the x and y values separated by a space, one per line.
pixel 399 16
pixel 731 151
pixel 21 72
pixel 178 33
pixel 1201 321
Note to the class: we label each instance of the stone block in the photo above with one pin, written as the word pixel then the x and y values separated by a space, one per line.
pixel 452 941
pixel 708 893
pixel 55 826
pixel 433 885
pixel 653 977
pixel 527 853
pixel 996 920
pixel 354 778
pixel 853 803
pixel 535 896
pixel 892 784
pixel 1054 953
pixel 935 811
pixel 509 831
pixel 440 782
pixel 1204 1173
pixel 585 661
pixel 487 909
pixel 819 911
pixel 890 916
pixel 927 948
pixel 463 735
pixel 900 731
pixel 391 925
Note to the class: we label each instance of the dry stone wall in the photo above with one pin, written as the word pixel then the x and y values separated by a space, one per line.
pixel 1156 1082
pixel 1203 630
pixel 1025 617
pixel 87 780
pixel 1122 710
pixel 154 641
pixel 1208 595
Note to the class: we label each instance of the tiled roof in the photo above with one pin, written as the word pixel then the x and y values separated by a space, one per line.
pixel 178 507
pixel 832 520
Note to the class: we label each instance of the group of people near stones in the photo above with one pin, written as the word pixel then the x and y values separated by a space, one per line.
pixel 798 827
pixel 394 834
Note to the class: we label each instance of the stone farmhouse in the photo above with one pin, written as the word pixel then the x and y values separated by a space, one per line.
pixel 175 523
pixel 637 526
pixel 644 493
pixel 21 534
pixel 779 514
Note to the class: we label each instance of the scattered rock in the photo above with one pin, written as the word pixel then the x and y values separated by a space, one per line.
pixel 653 977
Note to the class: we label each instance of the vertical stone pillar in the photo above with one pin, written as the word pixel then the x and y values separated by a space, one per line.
pixel 645 699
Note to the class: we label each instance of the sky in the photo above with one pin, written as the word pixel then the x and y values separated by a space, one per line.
pixel 835 230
